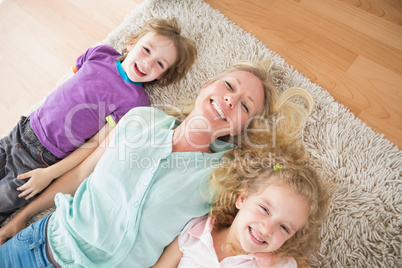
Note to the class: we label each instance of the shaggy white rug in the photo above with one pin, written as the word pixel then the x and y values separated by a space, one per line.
pixel 364 228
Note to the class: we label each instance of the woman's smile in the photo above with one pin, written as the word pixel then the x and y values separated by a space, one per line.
pixel 218 109
pixel 234 105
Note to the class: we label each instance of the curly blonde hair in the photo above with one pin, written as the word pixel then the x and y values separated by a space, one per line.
pixel 250 170
pixel 186 48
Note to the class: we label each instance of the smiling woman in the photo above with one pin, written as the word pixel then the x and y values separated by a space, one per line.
pixel 234 98
pixel 158 199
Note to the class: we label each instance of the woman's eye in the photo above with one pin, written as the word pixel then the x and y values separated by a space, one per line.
pixel 146 49
pixel 228 85
pixel 245 107
pixel 160 64
pixel 285 229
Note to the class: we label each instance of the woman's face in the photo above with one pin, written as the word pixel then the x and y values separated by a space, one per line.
pixel 228 103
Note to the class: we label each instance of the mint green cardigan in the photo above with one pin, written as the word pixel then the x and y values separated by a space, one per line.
pixel 138 198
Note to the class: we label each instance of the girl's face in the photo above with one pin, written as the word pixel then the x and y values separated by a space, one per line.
pixel 266 220
pixel 149 58
pixel 229 102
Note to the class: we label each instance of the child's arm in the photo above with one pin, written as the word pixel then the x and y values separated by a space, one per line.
pixel 68 184
pixel 170 257
pixel 42 177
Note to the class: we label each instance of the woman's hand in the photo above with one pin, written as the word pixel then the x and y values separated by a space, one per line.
pixel 40 179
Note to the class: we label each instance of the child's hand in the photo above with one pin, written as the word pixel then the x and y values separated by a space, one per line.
pixel 39 181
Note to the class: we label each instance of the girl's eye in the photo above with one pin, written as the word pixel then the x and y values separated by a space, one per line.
pixel 146 49
pixel 264 210
pixel 245 107
pixel 160 64
pixel 285 229
pixel 228 85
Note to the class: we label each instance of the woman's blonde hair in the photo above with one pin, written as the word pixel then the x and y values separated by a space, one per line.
pixel 250 171
pixel 283 114
pixel 185 47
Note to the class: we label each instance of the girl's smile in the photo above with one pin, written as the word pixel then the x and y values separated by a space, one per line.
pixel 266 220
pixel 139 71
pixel 256 236
pixel 149 58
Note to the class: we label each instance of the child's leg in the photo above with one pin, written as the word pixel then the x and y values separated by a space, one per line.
pixel 27 248
pixel 20 152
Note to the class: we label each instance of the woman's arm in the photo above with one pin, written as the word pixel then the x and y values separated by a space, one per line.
pixel 42 177
pixel 170 257
pixel 67 184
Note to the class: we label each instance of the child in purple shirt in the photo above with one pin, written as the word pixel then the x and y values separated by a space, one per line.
pixel 81 111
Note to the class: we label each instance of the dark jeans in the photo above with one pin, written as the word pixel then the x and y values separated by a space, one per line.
pixel 20 152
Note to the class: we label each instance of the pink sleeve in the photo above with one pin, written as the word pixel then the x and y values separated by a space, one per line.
pixel 184 234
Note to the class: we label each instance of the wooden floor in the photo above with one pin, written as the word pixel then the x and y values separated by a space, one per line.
pixel 352 48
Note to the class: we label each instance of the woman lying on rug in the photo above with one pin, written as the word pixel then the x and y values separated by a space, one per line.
pixel 262 214
pixel 105 86
pixel 152 178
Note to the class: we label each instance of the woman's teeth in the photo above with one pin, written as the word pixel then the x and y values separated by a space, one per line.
pixel 219 110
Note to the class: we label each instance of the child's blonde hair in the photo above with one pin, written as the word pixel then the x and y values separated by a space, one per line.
pixel 283 114
pixel 185 47
pixel 250 170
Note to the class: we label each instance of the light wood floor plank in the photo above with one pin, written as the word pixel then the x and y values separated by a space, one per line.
pixel 41 39
pixel 327 41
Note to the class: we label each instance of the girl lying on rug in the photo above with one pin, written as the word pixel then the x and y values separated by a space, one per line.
pixel 152 179
pixel 105 86
pixel 262 215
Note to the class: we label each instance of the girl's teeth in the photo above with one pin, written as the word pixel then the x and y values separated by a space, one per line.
pixel 141 70
pixel 255 236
